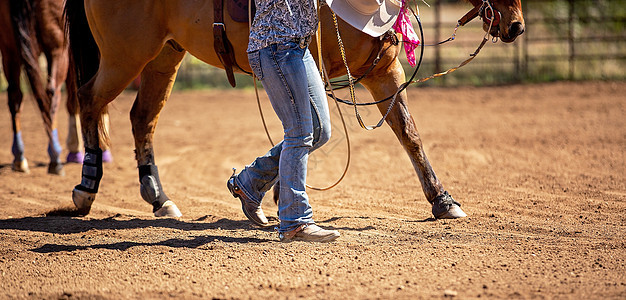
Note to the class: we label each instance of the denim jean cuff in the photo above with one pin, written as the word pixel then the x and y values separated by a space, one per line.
pixel 243 188
pixel 291 226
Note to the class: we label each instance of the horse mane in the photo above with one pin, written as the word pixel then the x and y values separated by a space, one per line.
pixel 24 30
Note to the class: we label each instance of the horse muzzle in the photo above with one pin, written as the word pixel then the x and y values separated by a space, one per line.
pixel 507 34
pixel 515 29
pixel 495 23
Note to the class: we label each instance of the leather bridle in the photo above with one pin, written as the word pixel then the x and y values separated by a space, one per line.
pixel 487 13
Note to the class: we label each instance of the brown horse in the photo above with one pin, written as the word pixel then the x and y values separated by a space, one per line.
pixel 115 41
pixel 33 27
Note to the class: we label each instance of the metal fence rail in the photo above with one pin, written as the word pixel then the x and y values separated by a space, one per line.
pixel 563 40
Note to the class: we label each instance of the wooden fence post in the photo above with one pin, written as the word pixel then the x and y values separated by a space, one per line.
pixel 525 45
pixel 437 35
pixel 570 40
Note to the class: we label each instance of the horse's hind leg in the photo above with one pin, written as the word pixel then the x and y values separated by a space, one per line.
pixel 58 62
pixel 12 72
pixel 157 80
pixel 386 83
pixel 74 140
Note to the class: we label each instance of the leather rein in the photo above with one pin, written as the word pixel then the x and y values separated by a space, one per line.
pixel 487 13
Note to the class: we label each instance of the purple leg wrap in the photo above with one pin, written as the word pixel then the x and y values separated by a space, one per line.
pixel 75 157
pixel 107 156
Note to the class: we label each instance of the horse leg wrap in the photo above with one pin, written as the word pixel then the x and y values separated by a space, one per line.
pixel 84 194
pixel 92 171
pixel 54 147
pixel 18 147
pixel 54 151
pixel 151 189
pixel 19 162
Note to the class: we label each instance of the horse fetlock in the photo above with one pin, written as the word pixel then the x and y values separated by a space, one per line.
pixel 56 168
pixel 92 171
pixel 82 200
pixel 152 192
pixel 54 147
pixel 18 146
pixel 149 189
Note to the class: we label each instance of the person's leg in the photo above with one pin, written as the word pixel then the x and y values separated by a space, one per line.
pixel 286 83
pixel 319 103
pixel 283 74
pixel 299 103
pixel 258 177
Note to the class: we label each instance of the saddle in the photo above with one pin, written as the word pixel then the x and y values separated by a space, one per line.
pixel 238 11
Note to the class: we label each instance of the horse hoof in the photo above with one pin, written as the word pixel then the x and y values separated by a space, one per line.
pixel 82 201
pixel 168 210
pixel 20 166
pixel 107 156
pixel 56 169
pixel 445 207
pixel 454 212
pixel 75 157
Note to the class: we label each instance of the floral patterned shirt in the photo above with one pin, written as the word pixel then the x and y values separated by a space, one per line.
pixel 279 21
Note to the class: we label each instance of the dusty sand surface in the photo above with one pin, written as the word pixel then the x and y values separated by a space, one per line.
pixel 540 170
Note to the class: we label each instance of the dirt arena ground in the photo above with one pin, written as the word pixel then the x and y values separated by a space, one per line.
pixel 540 170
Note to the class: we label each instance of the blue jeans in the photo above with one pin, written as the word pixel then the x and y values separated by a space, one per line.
pixel 295 89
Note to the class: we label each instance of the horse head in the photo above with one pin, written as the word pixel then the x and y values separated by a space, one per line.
pixel 508 20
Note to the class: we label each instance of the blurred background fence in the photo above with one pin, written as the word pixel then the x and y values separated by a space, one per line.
pixel 564 40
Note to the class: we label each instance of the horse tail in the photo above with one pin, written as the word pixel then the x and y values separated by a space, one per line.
pixel 24 30
pixel 84 54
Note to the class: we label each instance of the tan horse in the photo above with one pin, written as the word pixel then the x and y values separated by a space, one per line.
pixel 151 37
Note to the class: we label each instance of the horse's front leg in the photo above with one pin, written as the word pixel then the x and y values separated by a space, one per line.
pixel 93 97
pixel 157 80
pixel 74 140
pixel 383 84
pixel 58 63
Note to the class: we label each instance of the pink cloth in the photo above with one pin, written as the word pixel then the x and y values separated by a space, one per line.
pixel 403 26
